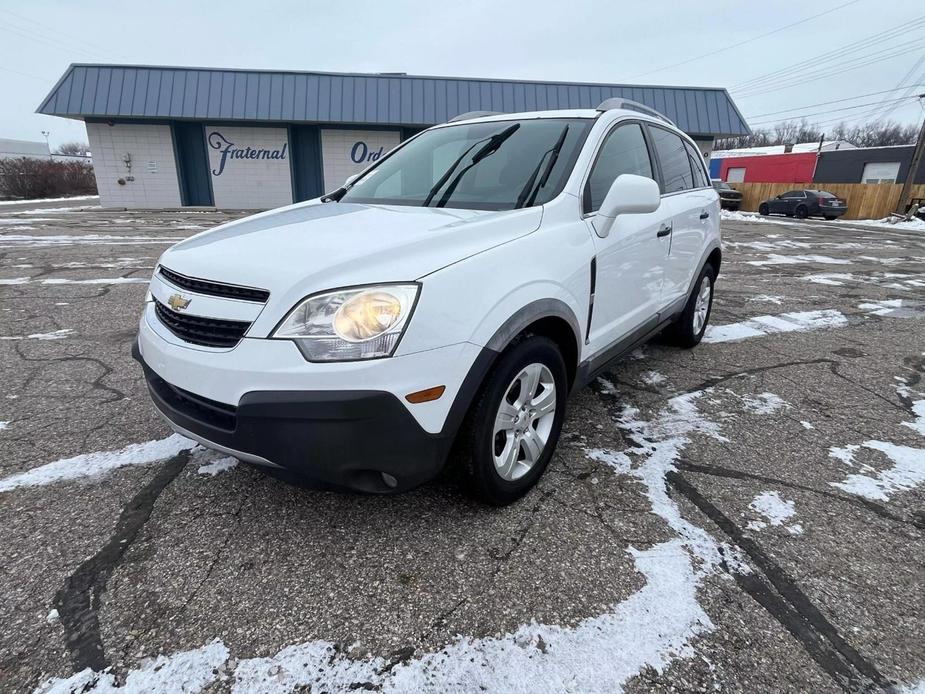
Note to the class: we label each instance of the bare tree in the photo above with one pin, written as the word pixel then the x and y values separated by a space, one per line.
pixel 875 134
pixel 74 149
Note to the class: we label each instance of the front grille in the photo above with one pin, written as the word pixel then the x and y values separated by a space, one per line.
pixel 208 332
pixel 226 291
pixel 210 412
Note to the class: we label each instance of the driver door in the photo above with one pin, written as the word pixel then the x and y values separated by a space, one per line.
pixel 631 259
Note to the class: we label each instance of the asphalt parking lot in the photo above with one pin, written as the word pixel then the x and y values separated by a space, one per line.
pixel 746 516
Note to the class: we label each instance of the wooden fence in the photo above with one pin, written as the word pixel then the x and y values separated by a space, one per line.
pixel 865 200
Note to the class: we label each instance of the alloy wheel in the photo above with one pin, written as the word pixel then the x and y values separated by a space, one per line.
pixel 524 421
pixel 702 305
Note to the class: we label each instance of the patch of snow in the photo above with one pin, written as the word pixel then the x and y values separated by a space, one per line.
pixel 795 529
pixel 216 466
pixel 835 279
pixel 768 299
pixel 777 259
pixel 93 464
pixel 111 280
pixel 607 386
pixel 618 460
pixel 908 463
pixel 52 617
pixel 763 403
pixel 46 210
pixel 907 472
pixel 4 425
pixel 895 308
pixel 15 280
pixel 54 335
pixel 774 509
pixel 653 378
pixel 767 325
pixel 39 241
pixel 806 425
pixel 186 671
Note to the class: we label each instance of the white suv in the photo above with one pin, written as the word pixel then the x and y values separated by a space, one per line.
pixel 448 297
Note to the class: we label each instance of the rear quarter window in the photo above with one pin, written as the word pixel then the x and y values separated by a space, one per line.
pixel 674 160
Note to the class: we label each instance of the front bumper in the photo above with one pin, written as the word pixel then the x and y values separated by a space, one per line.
pixel 340 425
pixel 358 440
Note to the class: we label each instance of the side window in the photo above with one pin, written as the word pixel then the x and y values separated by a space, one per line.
pixel 794 194
pixel 696 158
pixel 674 159
pixel 623 152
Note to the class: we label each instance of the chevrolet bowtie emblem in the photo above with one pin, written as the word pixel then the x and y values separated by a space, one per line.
pixel 178 302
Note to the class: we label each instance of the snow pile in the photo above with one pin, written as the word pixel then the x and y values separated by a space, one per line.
pixel 887 223
pixel 73 198
pixel 737 216
pixel 775 511
pixel 768 299
pixel 908 463
pixel 92 464
pixel 768 325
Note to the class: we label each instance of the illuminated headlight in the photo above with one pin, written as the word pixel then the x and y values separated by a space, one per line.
pixel 350 324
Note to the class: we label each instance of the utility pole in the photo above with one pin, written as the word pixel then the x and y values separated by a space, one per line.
pixel 913 168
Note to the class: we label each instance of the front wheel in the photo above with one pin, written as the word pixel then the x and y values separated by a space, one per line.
pixel 763 209
pixel 512 428
pixel 688 330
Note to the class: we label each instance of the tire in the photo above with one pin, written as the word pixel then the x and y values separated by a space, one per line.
pixel 482 441
pixel 802 212
pixel 763 209
pixel 829 218
pixel 688 330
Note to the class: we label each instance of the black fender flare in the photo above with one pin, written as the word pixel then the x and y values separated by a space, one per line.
pixel 703 261
pixel 502 337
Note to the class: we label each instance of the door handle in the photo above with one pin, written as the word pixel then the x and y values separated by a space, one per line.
pixel 664 230
pixel 704 215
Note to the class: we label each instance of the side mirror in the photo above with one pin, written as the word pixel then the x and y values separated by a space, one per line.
pixel 629 194
pixel 350 179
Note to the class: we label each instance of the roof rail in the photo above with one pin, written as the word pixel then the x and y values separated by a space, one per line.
pixel 630 105
pixel 469 115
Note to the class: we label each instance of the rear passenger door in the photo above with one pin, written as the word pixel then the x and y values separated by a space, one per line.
pixel 687 194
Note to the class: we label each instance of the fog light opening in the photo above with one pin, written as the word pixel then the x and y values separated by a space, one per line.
pixel 390 481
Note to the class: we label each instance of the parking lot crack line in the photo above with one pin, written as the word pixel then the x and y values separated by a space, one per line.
pixel 791 607
pixel 78 600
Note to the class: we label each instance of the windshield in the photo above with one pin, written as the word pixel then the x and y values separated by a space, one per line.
pixel 498 165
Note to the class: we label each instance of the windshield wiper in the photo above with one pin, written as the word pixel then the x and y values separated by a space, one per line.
pixel 490 147
pixel 522 199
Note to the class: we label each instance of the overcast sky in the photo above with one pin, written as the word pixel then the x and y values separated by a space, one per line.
pixel 604 41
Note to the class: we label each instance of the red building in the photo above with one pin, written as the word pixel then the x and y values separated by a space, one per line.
pixel 769 168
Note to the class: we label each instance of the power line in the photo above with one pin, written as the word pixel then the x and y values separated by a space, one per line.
pixel 834 110
pixel 78 44
pixel 746 41
pixel 826 103
pixel 824 74
pixel 835 54
pixel 851 63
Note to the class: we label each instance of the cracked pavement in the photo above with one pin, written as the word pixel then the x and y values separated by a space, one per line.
pixel 157 559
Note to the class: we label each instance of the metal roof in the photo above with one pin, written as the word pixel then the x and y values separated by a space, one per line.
pixel 132 91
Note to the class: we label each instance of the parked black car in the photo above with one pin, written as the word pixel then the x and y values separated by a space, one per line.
pixel 729 198
pixel 805 203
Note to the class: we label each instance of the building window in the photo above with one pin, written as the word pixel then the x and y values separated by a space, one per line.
pixel 735 175
pixel 880 172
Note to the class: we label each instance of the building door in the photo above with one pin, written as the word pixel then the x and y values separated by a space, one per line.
pixel 305 142
pixel 192 165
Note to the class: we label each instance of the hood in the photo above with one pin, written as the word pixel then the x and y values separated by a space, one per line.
pixel 313 246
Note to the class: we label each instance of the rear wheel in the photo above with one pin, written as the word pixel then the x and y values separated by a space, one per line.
pixel 688 330
pixel 830 217
pixel 763 209
pixel 802 212
pixel 512 428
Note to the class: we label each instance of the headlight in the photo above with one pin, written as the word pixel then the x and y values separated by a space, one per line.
pixel 349 324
